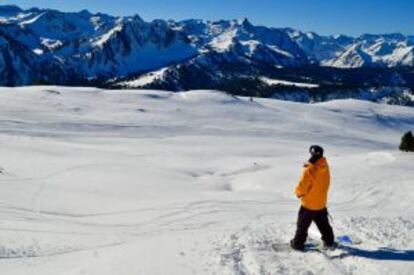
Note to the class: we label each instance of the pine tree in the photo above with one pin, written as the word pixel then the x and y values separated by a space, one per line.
pixel 40 82
pixel 407 142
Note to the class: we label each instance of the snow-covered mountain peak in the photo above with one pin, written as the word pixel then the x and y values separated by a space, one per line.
pixel 353 57
pixel 392 37
pixel 245 23
pixel 71 47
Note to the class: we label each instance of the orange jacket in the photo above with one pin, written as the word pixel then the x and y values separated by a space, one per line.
pixel 314 184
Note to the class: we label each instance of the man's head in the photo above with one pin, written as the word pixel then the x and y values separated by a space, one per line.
pixel 316 152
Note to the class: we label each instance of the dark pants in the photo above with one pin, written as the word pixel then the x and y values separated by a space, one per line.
pixel 305 218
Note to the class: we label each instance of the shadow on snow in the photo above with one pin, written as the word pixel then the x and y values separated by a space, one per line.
pixel 383 253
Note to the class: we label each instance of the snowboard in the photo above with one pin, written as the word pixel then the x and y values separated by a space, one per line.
pixel 309 247
pixel 313 245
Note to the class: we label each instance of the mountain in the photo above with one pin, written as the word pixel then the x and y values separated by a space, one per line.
pixel 368 50
pixel 82 45
pixel 49 46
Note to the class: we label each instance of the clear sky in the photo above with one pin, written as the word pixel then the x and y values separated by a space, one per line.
pixel 350 17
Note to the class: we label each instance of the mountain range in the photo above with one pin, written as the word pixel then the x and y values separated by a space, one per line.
pixel 44 46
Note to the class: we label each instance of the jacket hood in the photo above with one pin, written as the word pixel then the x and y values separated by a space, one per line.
pixel 319 163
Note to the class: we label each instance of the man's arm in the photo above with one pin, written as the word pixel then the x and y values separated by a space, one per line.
pixel 304 184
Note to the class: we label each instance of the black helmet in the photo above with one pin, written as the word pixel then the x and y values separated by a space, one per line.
pixel 316 150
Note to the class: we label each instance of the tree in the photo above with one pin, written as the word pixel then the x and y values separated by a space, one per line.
pixel 40 82
pixel 407 142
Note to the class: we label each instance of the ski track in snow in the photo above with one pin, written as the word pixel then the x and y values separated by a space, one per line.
pixel 200 182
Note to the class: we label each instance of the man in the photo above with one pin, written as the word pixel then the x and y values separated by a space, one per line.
pixel 312 190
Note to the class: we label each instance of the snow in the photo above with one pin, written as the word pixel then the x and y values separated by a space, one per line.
pixel 390 50
pixel 31 20
pixel 285 53
pixel 38 51
pixel 148 182
pixel 51 44
pixel 105 37
pixel 271 81
pixel 96 21
pixel 224 41
pixel 144 79
pixel 7 19
pixel 251 46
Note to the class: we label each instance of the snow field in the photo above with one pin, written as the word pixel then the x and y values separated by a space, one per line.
pixel 151 182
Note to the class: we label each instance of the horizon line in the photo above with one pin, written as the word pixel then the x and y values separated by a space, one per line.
pixel 210 21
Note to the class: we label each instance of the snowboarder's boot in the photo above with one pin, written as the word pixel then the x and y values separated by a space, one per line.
pixel 332 246
pixel 296 247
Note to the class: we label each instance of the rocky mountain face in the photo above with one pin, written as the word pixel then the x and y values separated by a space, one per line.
pixel 49 46
pixel 77 47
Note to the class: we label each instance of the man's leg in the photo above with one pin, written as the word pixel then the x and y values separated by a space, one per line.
pixel 304 221
pixel 322 222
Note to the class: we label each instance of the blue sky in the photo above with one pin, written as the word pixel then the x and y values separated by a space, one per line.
pixel 350 17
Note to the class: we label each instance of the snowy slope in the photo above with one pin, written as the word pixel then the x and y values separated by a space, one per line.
pixel 288 83
pixel 147 182
pixel 145 79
